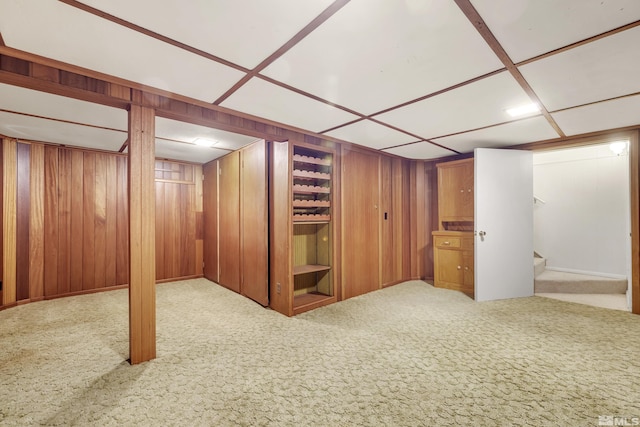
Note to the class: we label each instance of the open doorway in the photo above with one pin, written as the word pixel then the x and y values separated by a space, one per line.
pixel 582 224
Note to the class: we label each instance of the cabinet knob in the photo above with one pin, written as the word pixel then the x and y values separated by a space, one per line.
pixel 466 268
pixel 447 243
pixel 459 268
pixel 462 191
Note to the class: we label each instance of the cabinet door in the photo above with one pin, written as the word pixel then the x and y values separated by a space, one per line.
pixel 229 221
pixel 254 221
pixel 360 223
pixel 450 268
pixel 455 191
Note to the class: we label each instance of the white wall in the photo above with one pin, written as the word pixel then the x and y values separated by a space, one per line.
pixel 584 224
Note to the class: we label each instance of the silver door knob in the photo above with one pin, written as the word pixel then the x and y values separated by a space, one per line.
pixel 482 233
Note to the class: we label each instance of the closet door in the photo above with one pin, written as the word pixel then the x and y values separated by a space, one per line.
pixel 229 221
pixel 254 221
pixel 360 223
pixel 210 220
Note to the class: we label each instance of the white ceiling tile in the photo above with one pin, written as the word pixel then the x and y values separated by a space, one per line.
pixel 82 39
pixel 475 105
pixel 272 102
pixel 187 132
pixel 514 133
pixel 601 116
pixel 420 151
pixel 373 54
pixel 527 28
pixel 371 134
pixel 186 152
pixel 18 99
pixel 36 129
pixel 599 70
pixel 244 32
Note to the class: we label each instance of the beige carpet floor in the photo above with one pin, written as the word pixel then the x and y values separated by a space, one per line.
pixel 408 355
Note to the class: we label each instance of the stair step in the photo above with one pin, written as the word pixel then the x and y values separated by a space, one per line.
pixel 538 266
pixel 571 283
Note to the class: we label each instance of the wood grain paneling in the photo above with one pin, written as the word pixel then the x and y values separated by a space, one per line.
pixel 51 223
pixel 77 220
pixel 254 223
pixel 634 174
pixel 23 202
pixel 64 191
pixel 100 220
pixel 122 222
pixel 88 221
pixel 36 222
pixel 387 220
pixel 142 270
pixel 9 223
pixel 111 230
pixel 210 220
pixel 229 221
pixel 360 222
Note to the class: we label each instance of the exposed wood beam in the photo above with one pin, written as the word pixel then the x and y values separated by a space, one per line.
pixel 319 20
pixel 142 263
pixel 472 14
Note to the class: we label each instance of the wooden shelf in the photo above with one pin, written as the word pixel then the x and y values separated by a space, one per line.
pixel 311 160
pixel 306 302
pixel 309 268
pixel 310 189
pixel 297 173
pixel 311 217
pixel 311 204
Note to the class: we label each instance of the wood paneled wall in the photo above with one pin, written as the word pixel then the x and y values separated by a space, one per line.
pixel 70 221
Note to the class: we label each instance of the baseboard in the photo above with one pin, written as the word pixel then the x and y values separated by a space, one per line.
pixel 588 273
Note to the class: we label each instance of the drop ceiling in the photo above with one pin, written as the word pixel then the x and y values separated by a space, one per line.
pixel 421 79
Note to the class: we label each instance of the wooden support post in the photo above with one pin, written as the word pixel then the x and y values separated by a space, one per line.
pixel 9 219
pixel 142 263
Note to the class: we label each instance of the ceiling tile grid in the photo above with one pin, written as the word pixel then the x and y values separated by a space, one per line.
pixel 469 107
pixel 513 133
pixel 244 32
pixel 528 28
pixel 263 99
pixel 420 150
pixel 375 54
pixel 371 134
pixel 603 69
pixel 79 38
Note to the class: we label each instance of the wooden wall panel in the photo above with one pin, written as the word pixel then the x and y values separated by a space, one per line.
pixel 23 202
pixel 88 222
pixel 64 192
pixel 9 223
pixel 1 216
pixel 36 222
pixel 77 221
pixel 160 231
pixel 254 223
pixel 210 220
pixel 51 223
pixel 100 220
pixel 229 221
pixel 360 222
pixel 387 220
pixel 122 222
pixel 111 231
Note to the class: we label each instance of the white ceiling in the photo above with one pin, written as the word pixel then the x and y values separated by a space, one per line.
pixel 414 78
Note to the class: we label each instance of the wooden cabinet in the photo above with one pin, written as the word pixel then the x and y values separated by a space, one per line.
pixel 301 238
pixel 453 256
pixel 453 259
pixel 455 191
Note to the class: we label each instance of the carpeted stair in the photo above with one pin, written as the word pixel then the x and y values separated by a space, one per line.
pixel 549 281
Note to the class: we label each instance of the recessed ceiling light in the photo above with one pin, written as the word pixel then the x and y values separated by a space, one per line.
pixel 204 142
pixel 523 110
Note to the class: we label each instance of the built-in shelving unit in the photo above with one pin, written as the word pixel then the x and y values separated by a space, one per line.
pixel 302 229
pixel 312 251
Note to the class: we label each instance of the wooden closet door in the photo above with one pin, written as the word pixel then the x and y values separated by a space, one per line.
pixel 229 221
pixel 254 223
pixel 360 223
pixel 210 220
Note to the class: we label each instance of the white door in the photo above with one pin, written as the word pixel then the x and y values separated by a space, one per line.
pixel 503 202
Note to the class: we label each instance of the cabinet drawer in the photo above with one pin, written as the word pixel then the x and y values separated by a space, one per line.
pixel 447 242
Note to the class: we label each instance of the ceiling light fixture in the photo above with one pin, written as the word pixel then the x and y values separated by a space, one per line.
pixel 618 147
pixel 204 142
pixel 523 110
